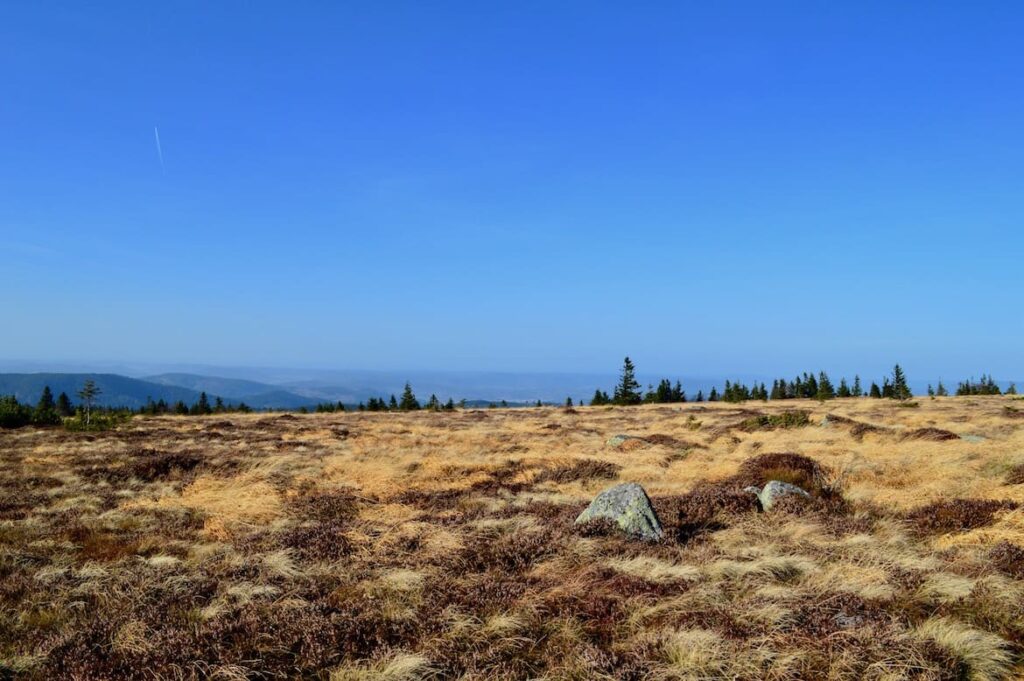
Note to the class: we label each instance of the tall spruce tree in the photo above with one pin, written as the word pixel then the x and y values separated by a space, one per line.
pixel 627 392
pixel 825 389
pixel 857 390
pixel 900 389
pixel 940 390
pixel 408 401
pixel 875 392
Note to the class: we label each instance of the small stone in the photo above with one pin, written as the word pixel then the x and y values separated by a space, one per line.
pixel 629 507
pixel 617 440
pixel 774 491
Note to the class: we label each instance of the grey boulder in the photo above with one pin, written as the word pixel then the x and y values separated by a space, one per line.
pixel 629 507
pixel 616 440
pixel 774 491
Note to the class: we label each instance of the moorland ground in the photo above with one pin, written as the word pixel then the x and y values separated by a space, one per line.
pixel 442 545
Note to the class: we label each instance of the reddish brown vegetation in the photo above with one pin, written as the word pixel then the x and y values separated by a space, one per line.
pixel 956 515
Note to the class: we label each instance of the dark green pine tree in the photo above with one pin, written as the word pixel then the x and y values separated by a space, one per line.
pixel 180 408
pixel 713 395
pixel 202 407
pixel 433 404
pixel 568 401
pixel 931 390
pixel 900 389
pixel 393 404
pixel 408 401
pixel 843 390
pixel 857 390
pixel 46 409
pixel 627 392
pixel 64 406
pixel 699 397
pixel 598 400
pixel 875 392
pixel 449 405
pixel 825 389
pixel 1012 390
pixel 940 390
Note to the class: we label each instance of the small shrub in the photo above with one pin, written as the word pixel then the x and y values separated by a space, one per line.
pixel 1009 558
pixel 956 515
pixel 788 419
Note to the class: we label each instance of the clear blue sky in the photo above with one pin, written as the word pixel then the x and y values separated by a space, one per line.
pixel 709 187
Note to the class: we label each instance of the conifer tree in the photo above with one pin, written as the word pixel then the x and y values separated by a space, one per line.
pixel 900 389
pixel 1012 390
pixel 568 401
pixel 180 408
pixel 449 405
pixel 713 395
pixel 408 401
pixel 940 390
pixel 875 392
pixel 89 392
pixel 700 396
pixel 64 406
pixel 433 404
pixel 46 409
pixel 627 392
pixel 844 390
pixel 931 391
pixel 857 390
pixel 825 389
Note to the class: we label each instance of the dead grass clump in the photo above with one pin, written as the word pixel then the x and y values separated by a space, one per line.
pixel 956 515
pixel 587 469
pixel 930 434
pixel 1009 558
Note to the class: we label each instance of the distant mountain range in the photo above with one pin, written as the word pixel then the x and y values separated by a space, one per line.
pixel 121 391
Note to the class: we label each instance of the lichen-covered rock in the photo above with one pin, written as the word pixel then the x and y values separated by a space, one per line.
pixel 774 491
pixel 629 507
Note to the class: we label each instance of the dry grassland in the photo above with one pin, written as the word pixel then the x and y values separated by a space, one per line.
pixel 411 546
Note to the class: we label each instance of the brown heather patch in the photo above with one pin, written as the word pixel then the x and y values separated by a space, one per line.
pixel 587 469
pixel 956 515
pixel 930 434
pixel 1015 476
pixel 1009 558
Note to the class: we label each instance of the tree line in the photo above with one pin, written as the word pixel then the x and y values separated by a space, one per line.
pixel 808 385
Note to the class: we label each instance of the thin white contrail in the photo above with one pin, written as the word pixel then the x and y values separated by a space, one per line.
pixel 159 151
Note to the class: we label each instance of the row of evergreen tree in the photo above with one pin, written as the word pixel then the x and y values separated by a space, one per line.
pixel 985 386
pixel 806 386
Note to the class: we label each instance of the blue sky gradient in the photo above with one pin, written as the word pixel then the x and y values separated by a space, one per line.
pixel 708 187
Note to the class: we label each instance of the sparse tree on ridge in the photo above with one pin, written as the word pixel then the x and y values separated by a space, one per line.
pixel 88 394
pixel 857 390
pixel 941 391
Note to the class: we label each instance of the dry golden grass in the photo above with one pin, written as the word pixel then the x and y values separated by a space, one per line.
pixel 415 546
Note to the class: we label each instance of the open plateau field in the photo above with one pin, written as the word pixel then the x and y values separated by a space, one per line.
pixel 442 545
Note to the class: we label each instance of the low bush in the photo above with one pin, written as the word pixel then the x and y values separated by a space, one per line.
pixel 956 515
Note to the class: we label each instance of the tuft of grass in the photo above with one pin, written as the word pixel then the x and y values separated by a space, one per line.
pixel 985 656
